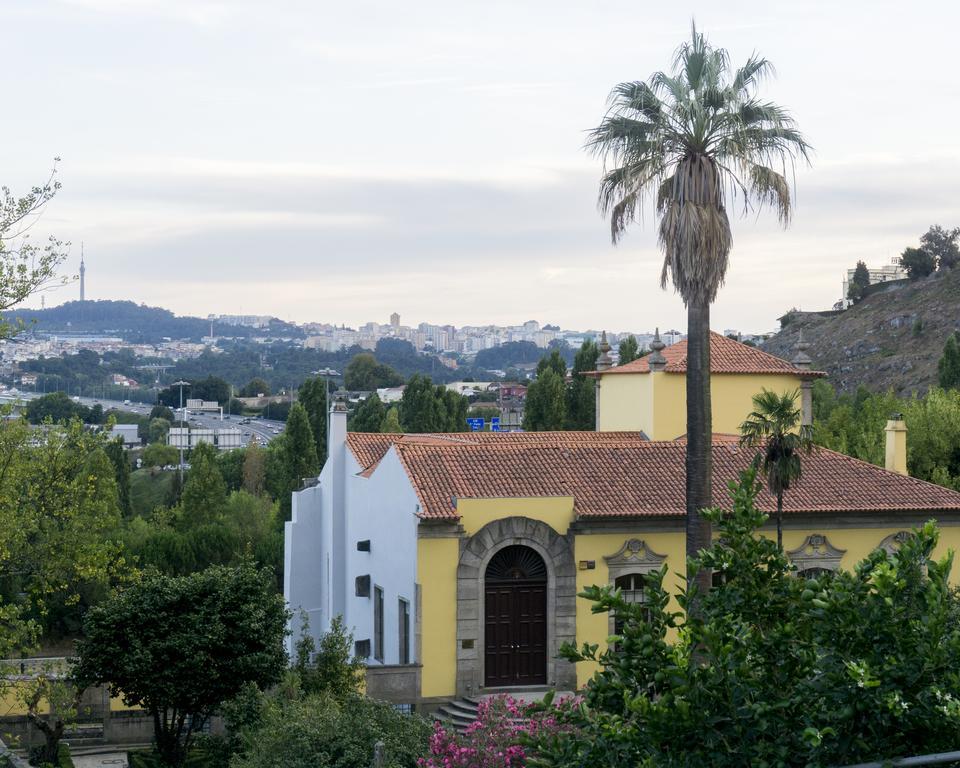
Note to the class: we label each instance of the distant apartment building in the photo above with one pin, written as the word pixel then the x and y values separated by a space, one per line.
pixel 248 321
pixel 883 274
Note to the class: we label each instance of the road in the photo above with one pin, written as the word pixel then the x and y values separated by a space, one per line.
pixel 264 429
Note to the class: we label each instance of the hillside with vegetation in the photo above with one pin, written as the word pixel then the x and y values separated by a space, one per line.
pixel 135 322
pixel 891 339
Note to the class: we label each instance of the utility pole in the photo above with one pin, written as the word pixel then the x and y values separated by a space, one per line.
pixel 325 372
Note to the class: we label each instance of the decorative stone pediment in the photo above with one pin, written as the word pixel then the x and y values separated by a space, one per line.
pixel 892 542
pixel 633 557
pixel 816 552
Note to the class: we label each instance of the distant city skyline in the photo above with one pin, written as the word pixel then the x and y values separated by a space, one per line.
pixel 348 160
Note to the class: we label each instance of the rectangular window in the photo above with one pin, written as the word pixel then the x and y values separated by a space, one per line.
pixel 404 631
pixel 378 623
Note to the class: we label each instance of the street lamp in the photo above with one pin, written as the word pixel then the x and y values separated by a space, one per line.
pixel 326 372
pixel 181 384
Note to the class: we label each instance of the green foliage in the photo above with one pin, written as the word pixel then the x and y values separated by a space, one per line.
pixel 204 493
pixel 254 475
pixel 157 430
pixel 150 488
pixel 256 387
pixel 941 244
pixel 332 732
pixel 859 282
pixel 365 374
pixel 24 267
pixel 121 467
pixel 629 350
pixel 918 262
pixel 545 407
pixel 391 422
pixel 508 355
pixel 581 391
pixel 56 407
pixel 948 367
pixel 161 412
pixel 292 459
pixel 775 670
pixel 368 415
pixel 215 631
pixel 316 401
pixel 230 464
pixel 426 407
pixel 59 517
pixel 775 430
pixel 329 666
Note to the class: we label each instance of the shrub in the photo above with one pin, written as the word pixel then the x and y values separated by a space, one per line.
pixel 777 670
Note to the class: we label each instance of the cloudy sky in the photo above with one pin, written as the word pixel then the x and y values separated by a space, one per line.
pixel 337 161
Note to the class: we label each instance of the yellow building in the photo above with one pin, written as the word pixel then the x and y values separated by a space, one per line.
pixel 456 559
pixel 649 394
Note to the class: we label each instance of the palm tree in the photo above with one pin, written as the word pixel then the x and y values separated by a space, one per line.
pixel 774 428
pixel 691 141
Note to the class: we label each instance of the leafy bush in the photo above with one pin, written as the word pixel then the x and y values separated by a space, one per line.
pixel 324 731
pixel 777 670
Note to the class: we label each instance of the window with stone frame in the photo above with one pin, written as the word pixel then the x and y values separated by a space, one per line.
pixel 816 556
pixel 626 569
pixel 632 588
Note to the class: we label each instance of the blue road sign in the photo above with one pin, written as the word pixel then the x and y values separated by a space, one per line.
pixel 495 424
pixel 475 424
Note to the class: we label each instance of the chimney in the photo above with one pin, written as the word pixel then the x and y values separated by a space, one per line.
pixel 896 444
pixel 802 362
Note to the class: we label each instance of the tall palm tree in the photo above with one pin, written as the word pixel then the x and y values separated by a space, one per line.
pixel 774 429
pixel 693 141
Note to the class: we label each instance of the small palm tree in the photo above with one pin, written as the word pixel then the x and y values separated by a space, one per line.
pixel 774 429
pixel 693 141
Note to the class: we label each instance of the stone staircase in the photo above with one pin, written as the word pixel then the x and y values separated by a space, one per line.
pixel 458 714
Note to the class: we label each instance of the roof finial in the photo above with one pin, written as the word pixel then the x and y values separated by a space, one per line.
pixel 655 360
pixel 604 360
pixel 802 360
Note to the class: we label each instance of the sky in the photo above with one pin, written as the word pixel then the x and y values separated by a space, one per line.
pixel 339 161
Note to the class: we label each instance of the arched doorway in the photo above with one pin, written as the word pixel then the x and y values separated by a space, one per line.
pixel 515 618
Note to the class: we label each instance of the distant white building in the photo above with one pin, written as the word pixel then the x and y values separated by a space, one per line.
pixel 128 432
pixel 884 274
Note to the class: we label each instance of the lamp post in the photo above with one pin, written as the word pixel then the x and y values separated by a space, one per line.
pixel 181 384
pixel 326 372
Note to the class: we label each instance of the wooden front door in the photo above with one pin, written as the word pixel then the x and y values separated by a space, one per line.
pixel 515 621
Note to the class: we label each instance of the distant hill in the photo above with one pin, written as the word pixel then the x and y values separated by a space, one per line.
pixel 135 322
pixel 892 339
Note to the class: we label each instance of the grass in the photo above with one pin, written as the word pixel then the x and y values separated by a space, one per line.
pixel 149 489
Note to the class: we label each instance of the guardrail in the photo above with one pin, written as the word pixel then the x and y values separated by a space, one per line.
pixel 940 758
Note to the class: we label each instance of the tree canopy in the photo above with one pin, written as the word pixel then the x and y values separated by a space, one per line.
pixel 365 374
pixel 918 262
pixel 629 350
pixel 181 647
pixel 859 282
pixel 942 245
pixel 948 367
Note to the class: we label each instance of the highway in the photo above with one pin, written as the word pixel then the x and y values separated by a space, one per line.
pixel 264 429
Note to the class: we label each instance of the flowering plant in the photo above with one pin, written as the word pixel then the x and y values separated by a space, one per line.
pixel 499 737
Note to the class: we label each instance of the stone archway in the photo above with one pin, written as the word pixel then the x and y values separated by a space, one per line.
pixel 475 554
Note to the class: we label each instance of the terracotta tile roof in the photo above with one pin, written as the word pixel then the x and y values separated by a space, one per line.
pixel 726 356
pixel 613 474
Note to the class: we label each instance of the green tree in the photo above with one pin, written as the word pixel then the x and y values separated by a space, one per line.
pixel 391 422
pixel 316 401
pixel 204 494
pixel 545 408
pixel 687 140
pixel 329 666
pixel 941 244
pixel 161 412
pixel 364 374
pixel 25 268
pixel 256 387
pixel 254 470
pixel 121 467
pixel 212 388
pixel 57 407
pixel 159 455
pixel 581 393
pixel 629 350
pixel 418 406
pixel 215 631
pixel 453 407
pixel 918 262
pixel 368 415
pixel 859 282
pixel 948 367
pixel 297 454
pixel 775 430
pixel 158 430
pixel 554 362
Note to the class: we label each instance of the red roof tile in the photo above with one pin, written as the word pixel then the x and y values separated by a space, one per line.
pixel 726 356
pixel 612 474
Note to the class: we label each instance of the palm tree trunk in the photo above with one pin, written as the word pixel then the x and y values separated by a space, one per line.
pixel 780 520
pixel 699 458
